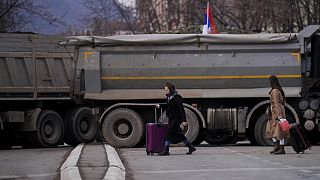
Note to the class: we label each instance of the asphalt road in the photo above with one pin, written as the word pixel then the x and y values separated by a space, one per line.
pixel 233 162
pixel 240 162
pixel 41 163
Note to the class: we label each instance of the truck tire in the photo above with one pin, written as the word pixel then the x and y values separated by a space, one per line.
pixel 50 130
pixel 81 126
pixel 260 129
pixel 123 128
pixel 192 130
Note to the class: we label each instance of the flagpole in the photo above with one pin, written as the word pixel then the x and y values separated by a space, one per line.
pixel 208 29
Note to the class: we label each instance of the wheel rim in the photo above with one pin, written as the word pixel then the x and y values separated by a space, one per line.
pixel 48 130
pixel 84 125
pixel 122 128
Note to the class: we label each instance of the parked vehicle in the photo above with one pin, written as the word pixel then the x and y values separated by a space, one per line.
pixel 38 104
pixel 223 79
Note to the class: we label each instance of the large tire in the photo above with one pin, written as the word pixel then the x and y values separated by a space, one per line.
pixel 260 130
pixel 81 126
pixel 123 128
pixel 50 130
pixel 192 130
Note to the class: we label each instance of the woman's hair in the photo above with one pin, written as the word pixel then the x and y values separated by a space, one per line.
pixel 274 83
pixel 170 87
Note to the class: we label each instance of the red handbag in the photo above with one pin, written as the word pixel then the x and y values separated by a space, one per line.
pixel 284 124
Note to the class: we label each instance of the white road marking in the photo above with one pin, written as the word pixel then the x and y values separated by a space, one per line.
pixel 285 167
pixel 317 175
pixel 267 161
pixel 305 171
pixel 69 169
pixel 116 170
pixel 226 170
pixel 276 163
pixel 288 166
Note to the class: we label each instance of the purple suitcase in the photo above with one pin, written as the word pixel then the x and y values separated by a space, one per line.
pixel 155 136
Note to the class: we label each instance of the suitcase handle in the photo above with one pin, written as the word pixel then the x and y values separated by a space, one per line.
pixel 155 116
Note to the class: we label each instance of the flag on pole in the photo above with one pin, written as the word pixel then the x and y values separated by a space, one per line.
pixel 209 26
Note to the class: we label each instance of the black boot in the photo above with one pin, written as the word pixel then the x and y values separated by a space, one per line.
pixel 191 148
pixel 165 152
pixel 281 150
pixel 276 147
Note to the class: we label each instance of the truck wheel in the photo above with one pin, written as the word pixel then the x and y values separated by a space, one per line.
pixel 192 130
pixel 81 126
pixel 260 129
pixel 123 128
pixel 50 129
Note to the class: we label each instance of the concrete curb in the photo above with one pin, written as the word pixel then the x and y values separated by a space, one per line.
pixel 69 169
pixel 116 170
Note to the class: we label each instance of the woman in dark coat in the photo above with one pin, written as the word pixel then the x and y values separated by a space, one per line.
pixel 277 102
pixel 176 114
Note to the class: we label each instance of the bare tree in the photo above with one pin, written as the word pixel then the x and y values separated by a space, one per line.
pixel 16 14
pixel 186 16
pixel 107 17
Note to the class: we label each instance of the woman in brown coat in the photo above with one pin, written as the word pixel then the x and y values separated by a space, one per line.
pixel 277 102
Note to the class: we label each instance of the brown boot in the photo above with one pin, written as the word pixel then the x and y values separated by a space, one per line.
pixel 281 150
pixel 276 147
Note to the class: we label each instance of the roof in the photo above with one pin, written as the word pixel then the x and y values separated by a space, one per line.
pixel 161 39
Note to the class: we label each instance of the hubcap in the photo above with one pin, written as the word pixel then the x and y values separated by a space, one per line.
pixel 123 128
pixel 48 130
pixel 84 126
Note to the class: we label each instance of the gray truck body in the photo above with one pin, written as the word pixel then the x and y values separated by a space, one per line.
pixel 38 107
pixel 34 67
pixel 223 78
pixel 201 66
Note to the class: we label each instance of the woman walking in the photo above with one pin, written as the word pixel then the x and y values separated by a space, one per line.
pixel 176 114
pixel 277 102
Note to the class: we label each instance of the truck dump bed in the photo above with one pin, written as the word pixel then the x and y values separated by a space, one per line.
pixel 34 67
pixel 201 66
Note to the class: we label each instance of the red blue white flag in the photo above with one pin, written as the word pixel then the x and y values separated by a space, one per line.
pixel 209 26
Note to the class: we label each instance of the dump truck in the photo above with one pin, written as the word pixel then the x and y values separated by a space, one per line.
pixel 223 79
pixel 38 107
